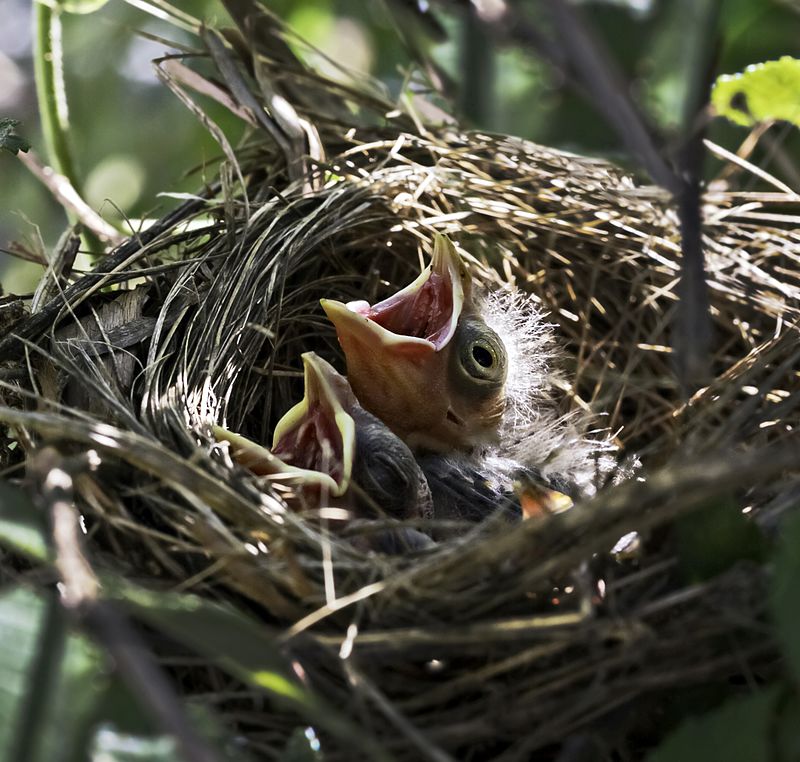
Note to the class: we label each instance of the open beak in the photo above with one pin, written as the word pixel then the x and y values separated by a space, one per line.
pixel 426 311
pixel 394 348
pixel 314 442
pixel 420 318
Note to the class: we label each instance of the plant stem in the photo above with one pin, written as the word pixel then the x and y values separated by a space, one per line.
pixel 52 98
pixel 51 93
pixel 477 101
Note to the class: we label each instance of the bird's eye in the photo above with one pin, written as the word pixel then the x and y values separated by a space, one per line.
pixel 482 355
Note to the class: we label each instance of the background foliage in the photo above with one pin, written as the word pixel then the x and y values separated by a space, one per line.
pixel 133 139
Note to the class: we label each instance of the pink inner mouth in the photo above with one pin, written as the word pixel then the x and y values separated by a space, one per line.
pixel 423 314
pixel 315 445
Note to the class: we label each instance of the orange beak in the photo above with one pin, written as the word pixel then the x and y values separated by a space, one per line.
pixel 396 349
pixel 537 501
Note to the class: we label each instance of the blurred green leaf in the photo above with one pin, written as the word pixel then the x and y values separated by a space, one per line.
pixel 50 682
pixel 58 700
pixel 9 140
pixel 109 745
pixel 302 746
pixel 787 731
pixel 21 524
pixel 738 731
pixel 786 593
pixel 716 536
pixel 233 641
pixel 20 623
pixel 118 179
pixel 125 730
pixel 227 747
pixel 763 92
pixel 241 646
pixel 121 711
pixel 81 7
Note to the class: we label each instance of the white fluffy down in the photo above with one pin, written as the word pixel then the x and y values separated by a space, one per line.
pixel 534 433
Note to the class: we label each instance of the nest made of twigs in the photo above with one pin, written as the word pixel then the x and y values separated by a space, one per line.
pixel 505 641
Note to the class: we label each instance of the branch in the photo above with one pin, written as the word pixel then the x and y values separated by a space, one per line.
pixel 68 197
pixel 580 58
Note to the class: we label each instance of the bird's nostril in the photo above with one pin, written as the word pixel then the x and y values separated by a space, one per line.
pixel 453 418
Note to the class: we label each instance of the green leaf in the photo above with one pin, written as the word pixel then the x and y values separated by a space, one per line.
pixel 109 745
pixel 244 648
pixel 50 681
pixel 81 7
pixel 9 140
pixel 716 536
pixel 762 92
pixel 21 524
pixel 785 598
pixel 738 731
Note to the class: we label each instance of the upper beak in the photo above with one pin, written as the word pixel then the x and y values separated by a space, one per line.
pixel 314 442
pixel 424 314
pixel 357 331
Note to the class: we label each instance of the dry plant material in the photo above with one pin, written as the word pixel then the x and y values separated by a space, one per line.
pixel 502 643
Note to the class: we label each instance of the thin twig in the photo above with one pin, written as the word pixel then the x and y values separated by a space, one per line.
pixel 67 196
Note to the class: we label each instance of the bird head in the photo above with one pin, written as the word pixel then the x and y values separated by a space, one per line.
pixel 314 442
pixel 423 360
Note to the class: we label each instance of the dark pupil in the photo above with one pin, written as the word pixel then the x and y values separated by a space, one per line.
pixel 482 356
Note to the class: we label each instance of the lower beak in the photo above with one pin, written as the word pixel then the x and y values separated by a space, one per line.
pixel 262 462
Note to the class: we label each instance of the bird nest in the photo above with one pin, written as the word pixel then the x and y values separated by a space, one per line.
pixel 507 640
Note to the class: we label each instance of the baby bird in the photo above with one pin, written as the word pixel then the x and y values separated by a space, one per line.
pixel 465 380
pixel 333 452
pixel 424 360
